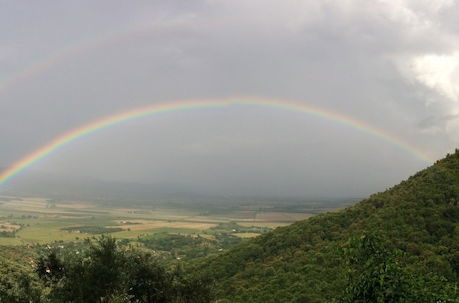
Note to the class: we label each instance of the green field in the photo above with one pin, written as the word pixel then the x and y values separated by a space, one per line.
pixel 38 220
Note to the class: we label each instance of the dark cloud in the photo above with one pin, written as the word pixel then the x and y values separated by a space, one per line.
pixel 382 62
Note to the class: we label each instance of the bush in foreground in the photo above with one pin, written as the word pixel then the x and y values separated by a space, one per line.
pixel 106 273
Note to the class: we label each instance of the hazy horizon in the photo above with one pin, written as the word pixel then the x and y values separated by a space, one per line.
pixel 392 65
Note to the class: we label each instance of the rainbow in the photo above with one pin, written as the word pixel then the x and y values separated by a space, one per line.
pixel 46 63
pixel 168 107
pixel 74 49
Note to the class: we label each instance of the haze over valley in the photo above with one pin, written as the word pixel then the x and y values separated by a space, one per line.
pixel 229 151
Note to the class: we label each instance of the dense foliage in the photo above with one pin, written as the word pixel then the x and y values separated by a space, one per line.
pixel 377 274
pixel 187 247
pixel 302 263
pixel 96 271
pixel 105 273
pixel 17 283
pixel 401 245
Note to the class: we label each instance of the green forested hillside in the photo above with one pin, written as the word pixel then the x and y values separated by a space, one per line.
pixel 399 246
pixel 304 262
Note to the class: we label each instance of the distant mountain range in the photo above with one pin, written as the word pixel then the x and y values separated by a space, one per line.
pixel 132 193
pixel 91 189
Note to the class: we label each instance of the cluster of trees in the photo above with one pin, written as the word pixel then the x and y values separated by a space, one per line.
pixel 7 234
pixel 105 273
pixel 188 247
pixel 234 227
pixel 302 263
pixel 375 273
pixel 9 231
pixel 95 230
pixel 100 271
pixel 401 246
pixel 170 242
pixel 18 284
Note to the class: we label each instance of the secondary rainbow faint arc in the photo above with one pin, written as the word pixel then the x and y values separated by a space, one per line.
pixel 115 119
pixel 73 49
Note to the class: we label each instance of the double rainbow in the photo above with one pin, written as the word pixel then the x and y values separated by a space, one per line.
pixel 168 107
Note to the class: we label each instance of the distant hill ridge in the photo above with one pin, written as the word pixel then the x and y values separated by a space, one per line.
pixel 300 263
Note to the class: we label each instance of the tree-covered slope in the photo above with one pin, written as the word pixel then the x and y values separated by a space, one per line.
pixel 302 262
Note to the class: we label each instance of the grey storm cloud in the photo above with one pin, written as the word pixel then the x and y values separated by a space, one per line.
pixel 392 64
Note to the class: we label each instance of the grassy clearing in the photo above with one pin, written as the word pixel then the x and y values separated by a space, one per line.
pixel 10 241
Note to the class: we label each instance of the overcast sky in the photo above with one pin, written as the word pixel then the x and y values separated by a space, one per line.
pixel 392 64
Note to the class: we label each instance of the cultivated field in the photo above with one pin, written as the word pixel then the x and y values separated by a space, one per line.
pixel 32 220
